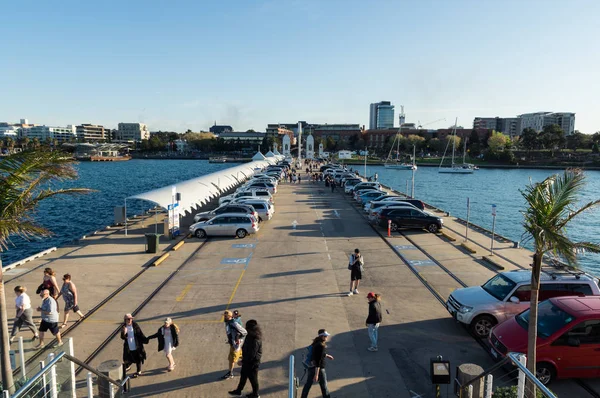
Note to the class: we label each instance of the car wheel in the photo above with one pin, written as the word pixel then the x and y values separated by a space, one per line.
pixel 200 233
pixel 433 228
pixel 545 373
pixel 394 227
pixel 482 325
pixel 241 233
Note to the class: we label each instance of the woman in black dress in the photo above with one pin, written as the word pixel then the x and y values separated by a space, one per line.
pixel 251 355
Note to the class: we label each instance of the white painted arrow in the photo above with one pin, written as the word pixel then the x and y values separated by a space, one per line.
pixel 294 224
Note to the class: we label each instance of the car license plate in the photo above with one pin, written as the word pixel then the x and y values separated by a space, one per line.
pixel 494 353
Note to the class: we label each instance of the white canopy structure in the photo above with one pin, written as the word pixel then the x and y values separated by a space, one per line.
pixel 198 191
pixel 258 156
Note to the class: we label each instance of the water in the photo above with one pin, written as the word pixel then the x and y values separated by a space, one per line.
pixel 71 217
pixel 494 186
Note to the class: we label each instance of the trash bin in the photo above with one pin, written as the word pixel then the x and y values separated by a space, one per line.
pixel 152 243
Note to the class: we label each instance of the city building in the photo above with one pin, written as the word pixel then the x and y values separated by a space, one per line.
pixel 381 115
pixel 90 132
pixel 337 132
pixel 277 131
pixel 539 120
pixel 244 137
pixel 8 131
pixel 219 129
pixel 510 126
pixel 44 133
pixel 132 132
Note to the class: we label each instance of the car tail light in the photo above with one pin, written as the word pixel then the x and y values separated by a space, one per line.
pixel 381 217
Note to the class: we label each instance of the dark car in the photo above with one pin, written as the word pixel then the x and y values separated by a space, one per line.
pixel 228 208
pixel 410 218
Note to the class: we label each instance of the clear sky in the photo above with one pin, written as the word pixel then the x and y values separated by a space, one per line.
pixel 184 64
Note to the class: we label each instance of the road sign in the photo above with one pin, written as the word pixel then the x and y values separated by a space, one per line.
pixel 243 246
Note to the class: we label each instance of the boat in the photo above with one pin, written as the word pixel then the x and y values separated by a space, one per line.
pixel 220 159
pixel 455 168
pixel 396 163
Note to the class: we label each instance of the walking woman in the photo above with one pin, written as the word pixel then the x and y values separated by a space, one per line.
pixel 317 373
pixel 24 315
pixel 133 345
pixel 49 282
pixel 374 319
pixel 69 293
pixel 251 356
pixel 168 340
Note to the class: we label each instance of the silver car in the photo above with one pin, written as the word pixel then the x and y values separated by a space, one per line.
pixel 232 224
pixel 264 208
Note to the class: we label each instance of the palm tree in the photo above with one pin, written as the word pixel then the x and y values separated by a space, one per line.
pixel 24 179
pixel 550 208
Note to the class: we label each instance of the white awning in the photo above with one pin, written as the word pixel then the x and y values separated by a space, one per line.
pixel 198 191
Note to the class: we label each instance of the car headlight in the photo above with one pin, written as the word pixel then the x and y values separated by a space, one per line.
pixel 465 309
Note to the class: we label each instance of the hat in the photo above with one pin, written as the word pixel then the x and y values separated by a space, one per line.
pixel 128 316
pixel 371 295
pixel 228 313
pixel 168 320
pixel 323 332
pixel 236 313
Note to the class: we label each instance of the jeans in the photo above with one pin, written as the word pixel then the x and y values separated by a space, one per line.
pixel 373 334
pixel 322 382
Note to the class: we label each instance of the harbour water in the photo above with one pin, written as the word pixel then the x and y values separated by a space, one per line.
pixel 71 217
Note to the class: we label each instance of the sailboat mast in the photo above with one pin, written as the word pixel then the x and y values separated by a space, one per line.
pixel 465 152
pixel 454 140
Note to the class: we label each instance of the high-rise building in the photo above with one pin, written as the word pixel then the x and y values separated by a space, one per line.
pixel 381 115
pixel 539 120
pixel 90 132
pixel 132 132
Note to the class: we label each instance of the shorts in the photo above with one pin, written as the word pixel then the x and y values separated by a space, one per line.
pixel 51 326
pixel 234 355
pixel 355 274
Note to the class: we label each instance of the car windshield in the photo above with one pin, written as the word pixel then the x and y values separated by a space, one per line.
pixel 550 319
pixel 499 286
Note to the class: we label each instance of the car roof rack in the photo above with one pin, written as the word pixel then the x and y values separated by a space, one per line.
pixel 561 269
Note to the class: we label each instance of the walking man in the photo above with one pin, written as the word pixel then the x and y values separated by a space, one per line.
pixel 235 338
pixel 332 183
pixel 374 319
pixel 49 310
pixel 356 268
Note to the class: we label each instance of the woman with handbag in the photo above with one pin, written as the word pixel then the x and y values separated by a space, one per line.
pixel 356 267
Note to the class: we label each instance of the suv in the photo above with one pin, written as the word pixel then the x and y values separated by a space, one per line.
pixel 264 208
pixel 508 293
pixel 410 217
pixel 228 208
pixel 365 185
pixel 568 338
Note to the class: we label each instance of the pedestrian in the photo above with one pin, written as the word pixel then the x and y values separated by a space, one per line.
pixel 316 373
pixel 133 345
pixel 49 310
pixel 332 183
pixel 168 340
pixel 24 314
pixel 49 282
pixel 235 339
pixel 376 177
pixel 290 175
pixel 355 266
pixel 251 356
pixel 327 181
pixel 299 179
pixel 69 293
pixel 295 178
pixel 237 316
pixel 374 319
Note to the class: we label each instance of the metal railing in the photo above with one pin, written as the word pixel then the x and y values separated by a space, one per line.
pixel 293 380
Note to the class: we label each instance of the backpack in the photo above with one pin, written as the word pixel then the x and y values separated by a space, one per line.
pixel 307 357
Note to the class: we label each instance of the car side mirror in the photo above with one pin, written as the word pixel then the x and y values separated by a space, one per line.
pixel 210 223
pixel 515 300
pixel 573 342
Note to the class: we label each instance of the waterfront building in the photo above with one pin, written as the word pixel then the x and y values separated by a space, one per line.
pixel 8 130
pixel 539 120
pixel 510 126
pixel 381 115
pixel 220 129
pixel 44 133
pixel 244 137
pixel 132 132
pixel 90 132
pixel 337 132
pixel 277 131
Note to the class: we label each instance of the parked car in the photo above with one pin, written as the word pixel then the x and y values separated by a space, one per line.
pixel 365 197
pixel 261 184
pixel 239 225
pixel 387 206
pixel 357 194
pixel 350 184
pixel 410 218
pixel 568 339
pixel 508 293
pixel 364 185
pixel 264 209
pixel 255 193
pixel 228 208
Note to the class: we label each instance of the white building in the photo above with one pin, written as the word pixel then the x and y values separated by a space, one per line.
pixel 539 120
pixel 132 132
pixel 8 130
pixel 43 133
pixel 345 155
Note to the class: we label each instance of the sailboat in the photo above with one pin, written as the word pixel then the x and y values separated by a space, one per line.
pixel 464 168
pixel 396 163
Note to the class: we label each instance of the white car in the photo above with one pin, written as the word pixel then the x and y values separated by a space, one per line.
pixel 255 193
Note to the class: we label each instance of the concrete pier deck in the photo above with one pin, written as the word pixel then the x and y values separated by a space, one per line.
pixel 291 277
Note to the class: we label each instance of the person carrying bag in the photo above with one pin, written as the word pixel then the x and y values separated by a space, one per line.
pixel 356 267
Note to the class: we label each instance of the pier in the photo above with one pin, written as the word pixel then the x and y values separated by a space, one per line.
pixel 291 277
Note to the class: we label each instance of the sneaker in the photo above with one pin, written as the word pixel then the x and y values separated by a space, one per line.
pixel 355 291
pixel 127 368
pixel 373 349
pixel 235 392
pixel 227 375
pixel 39 346
pixel 12 339
pixel 350 293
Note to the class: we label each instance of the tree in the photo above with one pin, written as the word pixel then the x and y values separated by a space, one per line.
pixel 24 183
pixel 529 139
pixel 414 140
pixel 550 207
pixel 578 140
pixel 497 142
pixel 436 145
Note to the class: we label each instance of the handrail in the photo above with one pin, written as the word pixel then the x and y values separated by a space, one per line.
pixel 292 381
pixel 514 357
pixel 20 393
pixel 90 369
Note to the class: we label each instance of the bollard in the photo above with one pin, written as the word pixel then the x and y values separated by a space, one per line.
pixel 468 371
pixel 90 385
pixel 112 369
pixel 389 228
pixel 22 357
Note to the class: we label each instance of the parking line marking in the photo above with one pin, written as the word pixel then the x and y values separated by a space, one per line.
pixel 184 292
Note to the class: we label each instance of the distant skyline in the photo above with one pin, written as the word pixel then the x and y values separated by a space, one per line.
pixel 184 65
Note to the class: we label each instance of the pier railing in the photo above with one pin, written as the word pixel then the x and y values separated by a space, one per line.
pixel 293 381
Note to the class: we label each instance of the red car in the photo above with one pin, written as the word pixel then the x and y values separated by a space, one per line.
pixel 568 344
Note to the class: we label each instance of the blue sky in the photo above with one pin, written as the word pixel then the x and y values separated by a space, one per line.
pixel 184 64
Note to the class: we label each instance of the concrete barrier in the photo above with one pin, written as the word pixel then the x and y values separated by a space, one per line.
pixel 159 260
pixel 23 261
